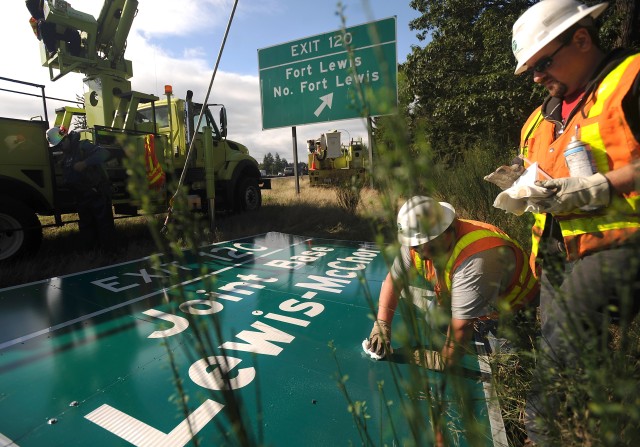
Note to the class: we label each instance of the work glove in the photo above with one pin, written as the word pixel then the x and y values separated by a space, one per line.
pixel 428 359
pixel 505 176
pixel 380 339
pixel 574 193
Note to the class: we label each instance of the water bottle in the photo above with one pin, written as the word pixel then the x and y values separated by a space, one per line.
pixel 578 157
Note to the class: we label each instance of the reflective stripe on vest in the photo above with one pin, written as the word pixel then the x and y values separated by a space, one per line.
pixel 536 235
pixel 613 146
pixel 155 175
pixel 529 127
pixel 472 238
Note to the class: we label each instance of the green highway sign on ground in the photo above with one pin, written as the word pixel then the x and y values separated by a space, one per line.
pixel 347 73
pixel 260 330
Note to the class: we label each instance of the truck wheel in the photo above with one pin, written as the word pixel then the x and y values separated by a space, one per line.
pixel 20 230
pixel 248 195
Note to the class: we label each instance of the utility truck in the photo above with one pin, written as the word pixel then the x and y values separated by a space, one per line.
pixel 219 174
pixel 331 162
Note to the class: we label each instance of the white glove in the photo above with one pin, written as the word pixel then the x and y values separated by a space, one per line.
pixel 573 193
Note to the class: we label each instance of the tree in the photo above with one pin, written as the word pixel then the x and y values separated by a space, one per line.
pixel 279 164
pixel 621 27
pixel 79 121
pixel 386 128
pixel 268 163
pixel 463 81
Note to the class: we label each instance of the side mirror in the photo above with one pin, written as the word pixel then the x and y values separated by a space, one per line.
pixel 223 122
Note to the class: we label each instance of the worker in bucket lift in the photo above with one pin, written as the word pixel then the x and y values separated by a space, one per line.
pixel 84 173
pixel 48 33
pixel 474 268
pixel 311 146
pixel 585 237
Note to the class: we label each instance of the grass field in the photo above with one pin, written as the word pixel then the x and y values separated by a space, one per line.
pixel 312 212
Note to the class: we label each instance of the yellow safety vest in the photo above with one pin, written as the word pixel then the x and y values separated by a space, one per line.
pixel 473 237
pixel 155 174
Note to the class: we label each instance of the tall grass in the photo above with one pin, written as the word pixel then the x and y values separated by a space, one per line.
pixel 314 212
pixel 605 409
pixel 462 185
pixel 603 404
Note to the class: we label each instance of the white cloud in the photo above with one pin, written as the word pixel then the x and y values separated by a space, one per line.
pixel 155 66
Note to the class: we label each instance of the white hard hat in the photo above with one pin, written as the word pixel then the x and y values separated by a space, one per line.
pixel 545 21
pixel 55 135
pixel 422 219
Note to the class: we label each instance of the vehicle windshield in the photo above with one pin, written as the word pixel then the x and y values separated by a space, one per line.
pixel 207 120
pixel 146 116
pixel 162 118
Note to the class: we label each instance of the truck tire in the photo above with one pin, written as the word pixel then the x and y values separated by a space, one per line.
pixel 248 196
pixel 14 243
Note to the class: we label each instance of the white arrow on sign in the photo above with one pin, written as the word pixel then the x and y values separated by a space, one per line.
pixel 326 101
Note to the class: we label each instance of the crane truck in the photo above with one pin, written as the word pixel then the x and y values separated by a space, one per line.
pixel 332 163
pixel 218 174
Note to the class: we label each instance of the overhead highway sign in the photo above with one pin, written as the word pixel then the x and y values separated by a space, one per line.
pixel 347 73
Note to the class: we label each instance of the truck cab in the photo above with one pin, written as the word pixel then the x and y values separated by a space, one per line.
pixel 236 174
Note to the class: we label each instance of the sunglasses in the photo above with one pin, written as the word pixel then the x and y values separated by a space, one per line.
pixel 544 63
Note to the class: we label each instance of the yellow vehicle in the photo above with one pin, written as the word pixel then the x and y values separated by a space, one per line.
pixel 331 162
pixel 219 172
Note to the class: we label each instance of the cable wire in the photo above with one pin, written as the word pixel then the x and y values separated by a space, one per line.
pixel 206 100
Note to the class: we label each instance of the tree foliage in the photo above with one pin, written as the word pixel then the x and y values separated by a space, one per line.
pixel 272 164
pixel 621 24
pixel 462 80
pixel 386 128
pixel 267 163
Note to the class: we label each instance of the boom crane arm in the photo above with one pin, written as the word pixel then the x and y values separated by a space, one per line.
pixel 114 24
pixel 103 41
pixel 109 100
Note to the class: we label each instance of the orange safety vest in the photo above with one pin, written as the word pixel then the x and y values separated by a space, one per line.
pixel 604 127
pixel 155 175
pixel 473 237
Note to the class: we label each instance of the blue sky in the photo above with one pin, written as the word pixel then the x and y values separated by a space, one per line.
pixel 177 43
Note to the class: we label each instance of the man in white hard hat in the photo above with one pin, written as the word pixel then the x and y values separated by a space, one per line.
pixel 475 269
pixel 585 243
pixel 85 175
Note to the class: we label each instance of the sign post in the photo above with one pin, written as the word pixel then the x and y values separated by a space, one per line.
pixel 294 137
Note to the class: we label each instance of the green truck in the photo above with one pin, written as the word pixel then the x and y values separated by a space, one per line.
pixel 214 172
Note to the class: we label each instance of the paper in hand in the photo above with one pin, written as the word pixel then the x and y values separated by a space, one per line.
pixel 524 195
